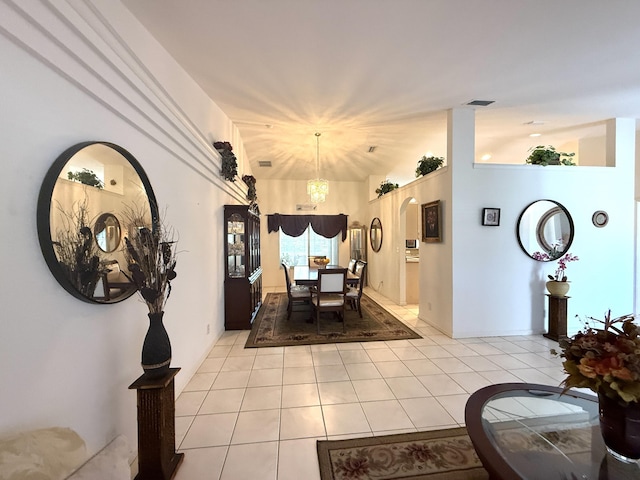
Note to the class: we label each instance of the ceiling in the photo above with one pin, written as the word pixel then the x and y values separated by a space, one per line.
pixel 383 73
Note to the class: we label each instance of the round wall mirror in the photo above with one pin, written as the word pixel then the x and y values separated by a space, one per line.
pixel 375 234
pixel 85 199
pixel 545 230
pixel 107 232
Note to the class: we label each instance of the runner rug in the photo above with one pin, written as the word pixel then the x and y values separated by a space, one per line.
pixel 435 455
pixel 272 329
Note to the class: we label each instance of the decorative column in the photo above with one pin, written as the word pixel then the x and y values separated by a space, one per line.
pixel 557 318
pixel 157 457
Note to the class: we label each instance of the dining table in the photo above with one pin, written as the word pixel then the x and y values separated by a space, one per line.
pixel 306 275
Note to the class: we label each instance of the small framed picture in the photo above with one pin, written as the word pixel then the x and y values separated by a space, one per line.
pixel 491 217
pixel 431 222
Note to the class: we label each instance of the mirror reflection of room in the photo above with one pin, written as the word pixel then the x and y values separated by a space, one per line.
pixel 91 196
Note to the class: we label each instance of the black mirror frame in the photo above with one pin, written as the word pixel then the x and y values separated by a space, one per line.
pixel 371 228
pixel 571 226
pixel 43 215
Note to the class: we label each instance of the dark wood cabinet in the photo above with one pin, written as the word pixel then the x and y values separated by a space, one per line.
pixel 243 273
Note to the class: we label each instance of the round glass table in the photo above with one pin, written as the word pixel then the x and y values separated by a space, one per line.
pixel 531 431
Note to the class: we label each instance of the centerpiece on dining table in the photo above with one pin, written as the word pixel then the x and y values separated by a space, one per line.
pixel 606 360
pixel 321 262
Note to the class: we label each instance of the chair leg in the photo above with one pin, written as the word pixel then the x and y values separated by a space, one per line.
pixel 359 308
pixel 289 309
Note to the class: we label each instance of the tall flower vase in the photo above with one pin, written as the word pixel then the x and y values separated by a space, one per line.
pixel 156 348
pixel 620 427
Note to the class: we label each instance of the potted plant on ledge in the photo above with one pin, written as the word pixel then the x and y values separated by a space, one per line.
pixel 548 155
pixel 428 164
pixel 386 187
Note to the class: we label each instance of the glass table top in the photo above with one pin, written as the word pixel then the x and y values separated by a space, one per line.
pixel 535 432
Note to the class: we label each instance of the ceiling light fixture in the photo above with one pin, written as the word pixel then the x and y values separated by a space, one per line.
pixel 535 134
pixel 317 188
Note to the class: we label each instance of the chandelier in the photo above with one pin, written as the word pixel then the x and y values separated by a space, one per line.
pixel 318 188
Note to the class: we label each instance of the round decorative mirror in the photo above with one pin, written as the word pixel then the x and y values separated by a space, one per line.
pixel 107 232
pixel 375 234
pixel 85 199
pixel 545 230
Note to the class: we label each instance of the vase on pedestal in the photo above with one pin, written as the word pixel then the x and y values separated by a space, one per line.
pixel 558 289
pixel 156 348
pixel 620 428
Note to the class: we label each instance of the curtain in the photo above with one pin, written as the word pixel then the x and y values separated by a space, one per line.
pixel 294 225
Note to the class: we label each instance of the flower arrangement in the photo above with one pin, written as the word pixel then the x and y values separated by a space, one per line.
pixel 605 360
pixel 77 252
pixel 250 181
pixel 559 275
pixel 151 256
pixel 386 187
pixel 229 168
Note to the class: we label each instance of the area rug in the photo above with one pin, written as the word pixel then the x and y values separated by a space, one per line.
pixel 272 329
pixel 436 455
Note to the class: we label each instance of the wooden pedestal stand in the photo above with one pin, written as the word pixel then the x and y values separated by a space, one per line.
pixel 557 318
pixel 157 457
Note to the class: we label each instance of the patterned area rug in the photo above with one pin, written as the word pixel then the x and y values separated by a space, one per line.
pixel 436 455
pixel 272 329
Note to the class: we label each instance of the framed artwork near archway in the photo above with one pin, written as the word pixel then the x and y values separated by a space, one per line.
pixel 431 222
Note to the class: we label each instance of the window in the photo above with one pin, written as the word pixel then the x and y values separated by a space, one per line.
pixel 296 250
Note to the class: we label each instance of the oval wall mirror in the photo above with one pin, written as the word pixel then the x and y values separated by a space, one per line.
pixel 107 232
pixel 545 230
pixel 375 234
pixel 85 199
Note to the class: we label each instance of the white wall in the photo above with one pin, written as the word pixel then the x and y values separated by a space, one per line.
pixel 478 282
pixel 88 71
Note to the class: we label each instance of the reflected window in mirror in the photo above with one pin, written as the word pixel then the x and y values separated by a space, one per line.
pixel 545 230
pixel 84 194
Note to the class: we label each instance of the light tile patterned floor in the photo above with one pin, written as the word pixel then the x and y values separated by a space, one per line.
pixel 256 414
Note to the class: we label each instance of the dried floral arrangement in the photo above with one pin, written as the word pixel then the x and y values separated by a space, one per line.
pixel 151 258
pixel 605 360
pixel 250 181
pixel 229 168
pixel 77 252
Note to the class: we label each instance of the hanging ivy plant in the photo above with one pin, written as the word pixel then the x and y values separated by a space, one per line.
pixel 250 180
pixel 229 168
pixel 428 164
pixel 87 177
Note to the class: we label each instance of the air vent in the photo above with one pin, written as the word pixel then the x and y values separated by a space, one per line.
pixel 306 207
pixel 480 103
pixel 372 148
pixel 264 163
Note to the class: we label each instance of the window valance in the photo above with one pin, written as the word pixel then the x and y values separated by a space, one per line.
pixel 294 225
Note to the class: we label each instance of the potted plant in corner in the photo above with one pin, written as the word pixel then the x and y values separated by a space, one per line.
pixel 548 155
pixel 428 164
pixel 386 187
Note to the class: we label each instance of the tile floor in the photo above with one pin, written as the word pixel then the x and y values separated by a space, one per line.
pixel 257 413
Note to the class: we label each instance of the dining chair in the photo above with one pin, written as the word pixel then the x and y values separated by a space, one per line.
pixel 352 265
pixel 296 294
pixel 329 295
pixel 354 294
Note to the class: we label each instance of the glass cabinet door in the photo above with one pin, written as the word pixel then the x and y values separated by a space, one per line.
pixel 236 255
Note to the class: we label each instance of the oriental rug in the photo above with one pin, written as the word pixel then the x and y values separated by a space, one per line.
pixel 272 329
pixel 436 455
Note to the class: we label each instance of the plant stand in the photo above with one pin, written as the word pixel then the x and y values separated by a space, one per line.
pixel 557 318
pixel 157 457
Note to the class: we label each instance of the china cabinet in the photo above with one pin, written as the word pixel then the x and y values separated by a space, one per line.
pixel 243 273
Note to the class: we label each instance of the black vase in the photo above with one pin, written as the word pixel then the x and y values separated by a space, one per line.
pixel 620 427
pixel 156 348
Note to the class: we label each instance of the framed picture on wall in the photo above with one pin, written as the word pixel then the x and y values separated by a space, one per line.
pixel 431 222
pixel 491 217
